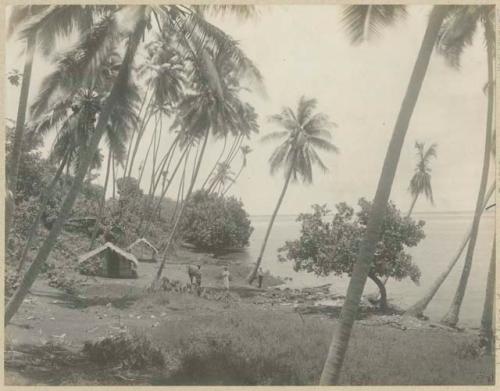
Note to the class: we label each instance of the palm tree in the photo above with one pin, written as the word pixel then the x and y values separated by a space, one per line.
pixel 119 92
pixel 82 66
pixel 421 180
pixel 221 178
pixel 42 23
pixel 454 37
pixel 360 20
pixel 417 309
pixel 305 131
pixel 245 150
pixel 487 319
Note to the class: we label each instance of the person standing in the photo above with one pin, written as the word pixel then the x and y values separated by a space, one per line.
pixel 260 275
pixel 225 277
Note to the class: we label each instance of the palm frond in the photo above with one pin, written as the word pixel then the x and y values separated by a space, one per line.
pixel 364 21
pixel 323 144
pixel 77 66
pixel 274 136
pixel 457 32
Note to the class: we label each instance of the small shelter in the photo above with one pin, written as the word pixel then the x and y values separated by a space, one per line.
pixel 143 250
pixel 109 261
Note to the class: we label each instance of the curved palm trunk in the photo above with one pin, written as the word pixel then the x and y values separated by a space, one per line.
pixel 114 178
pixel 415 198
pixel 131 142
pixel 47 246
pixel 216 163
pixel 181 211
pixel 165 163
pixel 45 199
pixel 253 274
pixel 234 181
pixel 386 278
pixel 101 204
pixel 165 189
pixel 148 115
pixel 143 167
pixel 487 319
pixel 419 307
pixel 340 340
pixel 451 318
pixel 15 157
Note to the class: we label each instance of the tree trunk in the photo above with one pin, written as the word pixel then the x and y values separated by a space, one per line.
pixel 140 133
pixel 419 307
pixel 131 142
pixel 487 319
pixel 382 291
pixel 101 205
pixel 340 340
pixel 412 205
pixel 15 158
pixel 451 318
pixel 121 79
pixel 114 178
pixel 186 200
pixel 253 274
pixel 165 189
pixel 45 199
pixel 216 163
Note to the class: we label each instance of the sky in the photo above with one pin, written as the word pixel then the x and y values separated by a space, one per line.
pixel 304 50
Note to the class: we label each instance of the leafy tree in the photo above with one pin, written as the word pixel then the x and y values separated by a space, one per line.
pixel 211 221
pixel 304 133
pixel 326 247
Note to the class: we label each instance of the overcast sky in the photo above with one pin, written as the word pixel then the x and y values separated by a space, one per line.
pixel 303 50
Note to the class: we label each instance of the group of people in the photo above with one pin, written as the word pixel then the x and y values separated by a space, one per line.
pixel 194 273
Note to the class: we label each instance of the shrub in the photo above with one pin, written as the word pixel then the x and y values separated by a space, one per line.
pixel 211 221
pixel 131 351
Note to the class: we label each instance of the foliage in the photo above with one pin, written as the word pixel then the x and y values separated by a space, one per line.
pixel 215 222
pixel 421 180
pixel 130 351
pixel 331 247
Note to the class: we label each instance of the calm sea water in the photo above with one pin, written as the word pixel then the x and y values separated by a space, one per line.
pixel 444 233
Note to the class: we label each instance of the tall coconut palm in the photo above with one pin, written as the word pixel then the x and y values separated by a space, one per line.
pixel 487 318
pixel 417 309
pixel 40 23
pixel 221 178
pixel 360 20
pixel 305 132
pixel 454 38
pixel 420 183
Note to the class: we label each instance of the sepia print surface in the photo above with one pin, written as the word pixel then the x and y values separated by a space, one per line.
pixel 250 194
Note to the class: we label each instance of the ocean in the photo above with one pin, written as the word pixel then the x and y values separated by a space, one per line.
pixel 444 234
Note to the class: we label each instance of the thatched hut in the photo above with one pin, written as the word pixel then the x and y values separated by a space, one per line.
pixel 109 261
pixel 143 250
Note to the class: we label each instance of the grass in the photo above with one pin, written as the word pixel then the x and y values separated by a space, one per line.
pixel 263 347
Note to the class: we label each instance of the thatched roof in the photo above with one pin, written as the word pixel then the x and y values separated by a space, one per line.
pixel 143 241
pixel 112 247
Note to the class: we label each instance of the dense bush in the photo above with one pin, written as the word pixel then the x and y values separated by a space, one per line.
pixel 332 247
pixel 212 221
